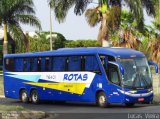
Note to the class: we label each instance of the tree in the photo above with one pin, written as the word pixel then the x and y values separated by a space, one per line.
pixel 128 33
pixel 154 35
pixel 154 49
pixel 105 10
pixel 109 20
pixel 14 12
pixel 40 42
pixel 81 43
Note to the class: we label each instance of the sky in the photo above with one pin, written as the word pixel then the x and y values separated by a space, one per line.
pixel 73 28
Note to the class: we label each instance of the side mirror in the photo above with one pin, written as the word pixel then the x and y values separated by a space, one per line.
pixel 154 64
pixel 121 69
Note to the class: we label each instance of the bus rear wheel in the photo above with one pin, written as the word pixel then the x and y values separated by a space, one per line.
pixel 34 97
pixel 102 100
pixel 23 96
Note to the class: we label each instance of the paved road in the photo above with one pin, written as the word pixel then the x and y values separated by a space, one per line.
pixel 83 110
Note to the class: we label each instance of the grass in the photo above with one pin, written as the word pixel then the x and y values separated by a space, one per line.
pixel 7 108
pixel 1 86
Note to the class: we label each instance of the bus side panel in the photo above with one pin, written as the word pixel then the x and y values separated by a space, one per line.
pixel 12 87
pixel 88 94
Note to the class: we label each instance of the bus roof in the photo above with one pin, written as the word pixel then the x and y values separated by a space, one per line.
pixel 112 51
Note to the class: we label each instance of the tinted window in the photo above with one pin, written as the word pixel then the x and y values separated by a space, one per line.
pixel 18 64
pixel 113 74
pixel 74 63
pixel 59 63
pixel 91 64
pixel 27 64
pixel 9 64
pixel 34 64
pixel 48 63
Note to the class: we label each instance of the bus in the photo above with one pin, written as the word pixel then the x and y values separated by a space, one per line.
pixel 104 76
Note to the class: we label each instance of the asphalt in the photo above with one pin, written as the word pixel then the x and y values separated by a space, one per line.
pixel 72 110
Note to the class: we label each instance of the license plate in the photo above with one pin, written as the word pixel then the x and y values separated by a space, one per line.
pixel 140 99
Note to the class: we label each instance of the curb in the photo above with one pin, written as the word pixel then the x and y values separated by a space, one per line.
pixel 2 96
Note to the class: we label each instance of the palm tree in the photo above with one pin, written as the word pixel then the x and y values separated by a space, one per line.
pixel 154 43
pixel 128 34
pixel 61 8
pixel 14 12
pixel 128 40
pixel 154 49
pixel 109 19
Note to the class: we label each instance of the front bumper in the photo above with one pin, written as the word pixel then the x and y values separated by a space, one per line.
pixel 134 97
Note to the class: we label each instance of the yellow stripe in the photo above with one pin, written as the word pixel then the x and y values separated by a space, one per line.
pixel 77 88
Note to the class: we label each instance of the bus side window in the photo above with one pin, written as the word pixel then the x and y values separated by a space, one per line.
pixel 27 64
pixel 9 64
pixel 18 64
pixel 48 63
pixel 74 63
pixel 91 64
pixel 113 74
pixel 103 61
pixel 59 63
pixel 39 64
pixel 43 64
pixel 34 64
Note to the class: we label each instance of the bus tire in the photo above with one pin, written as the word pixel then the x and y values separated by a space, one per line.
pixel 102 100
pixel 129 104
pixel 24 96
pixel 34 97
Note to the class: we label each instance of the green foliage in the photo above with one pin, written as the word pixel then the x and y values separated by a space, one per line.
pixel 41 42
pixel 81 43
pixel 127 19
pixel 92 17
pixel 16 12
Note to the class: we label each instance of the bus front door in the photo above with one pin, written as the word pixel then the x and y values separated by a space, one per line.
pixel 114 84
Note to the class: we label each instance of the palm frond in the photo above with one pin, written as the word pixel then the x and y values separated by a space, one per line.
pixel 61 8
pixel 18 35
pixel 154 48
pixel 28 19
pixel 80 6
pixel 21 6
pixel 92 17
pixel 115 2
pixel 128 40
pixel 149 6
pixel 114 17
pixel 137 10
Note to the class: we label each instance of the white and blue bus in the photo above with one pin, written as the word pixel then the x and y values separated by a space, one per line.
pixel 100 75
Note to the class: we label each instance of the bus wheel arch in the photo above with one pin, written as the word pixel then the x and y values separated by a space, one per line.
pixel 34 96
pixel 23 95
pixel 101 99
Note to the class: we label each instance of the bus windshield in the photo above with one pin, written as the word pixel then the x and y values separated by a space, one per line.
pixel 137 73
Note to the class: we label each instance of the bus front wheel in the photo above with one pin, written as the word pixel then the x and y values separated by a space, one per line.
pixel 102 100
pixel 34 97
pixel 23 96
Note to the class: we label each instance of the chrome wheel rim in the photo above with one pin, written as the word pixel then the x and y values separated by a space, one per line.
pixel 24 96
pixel 34 97
pixel 102 99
